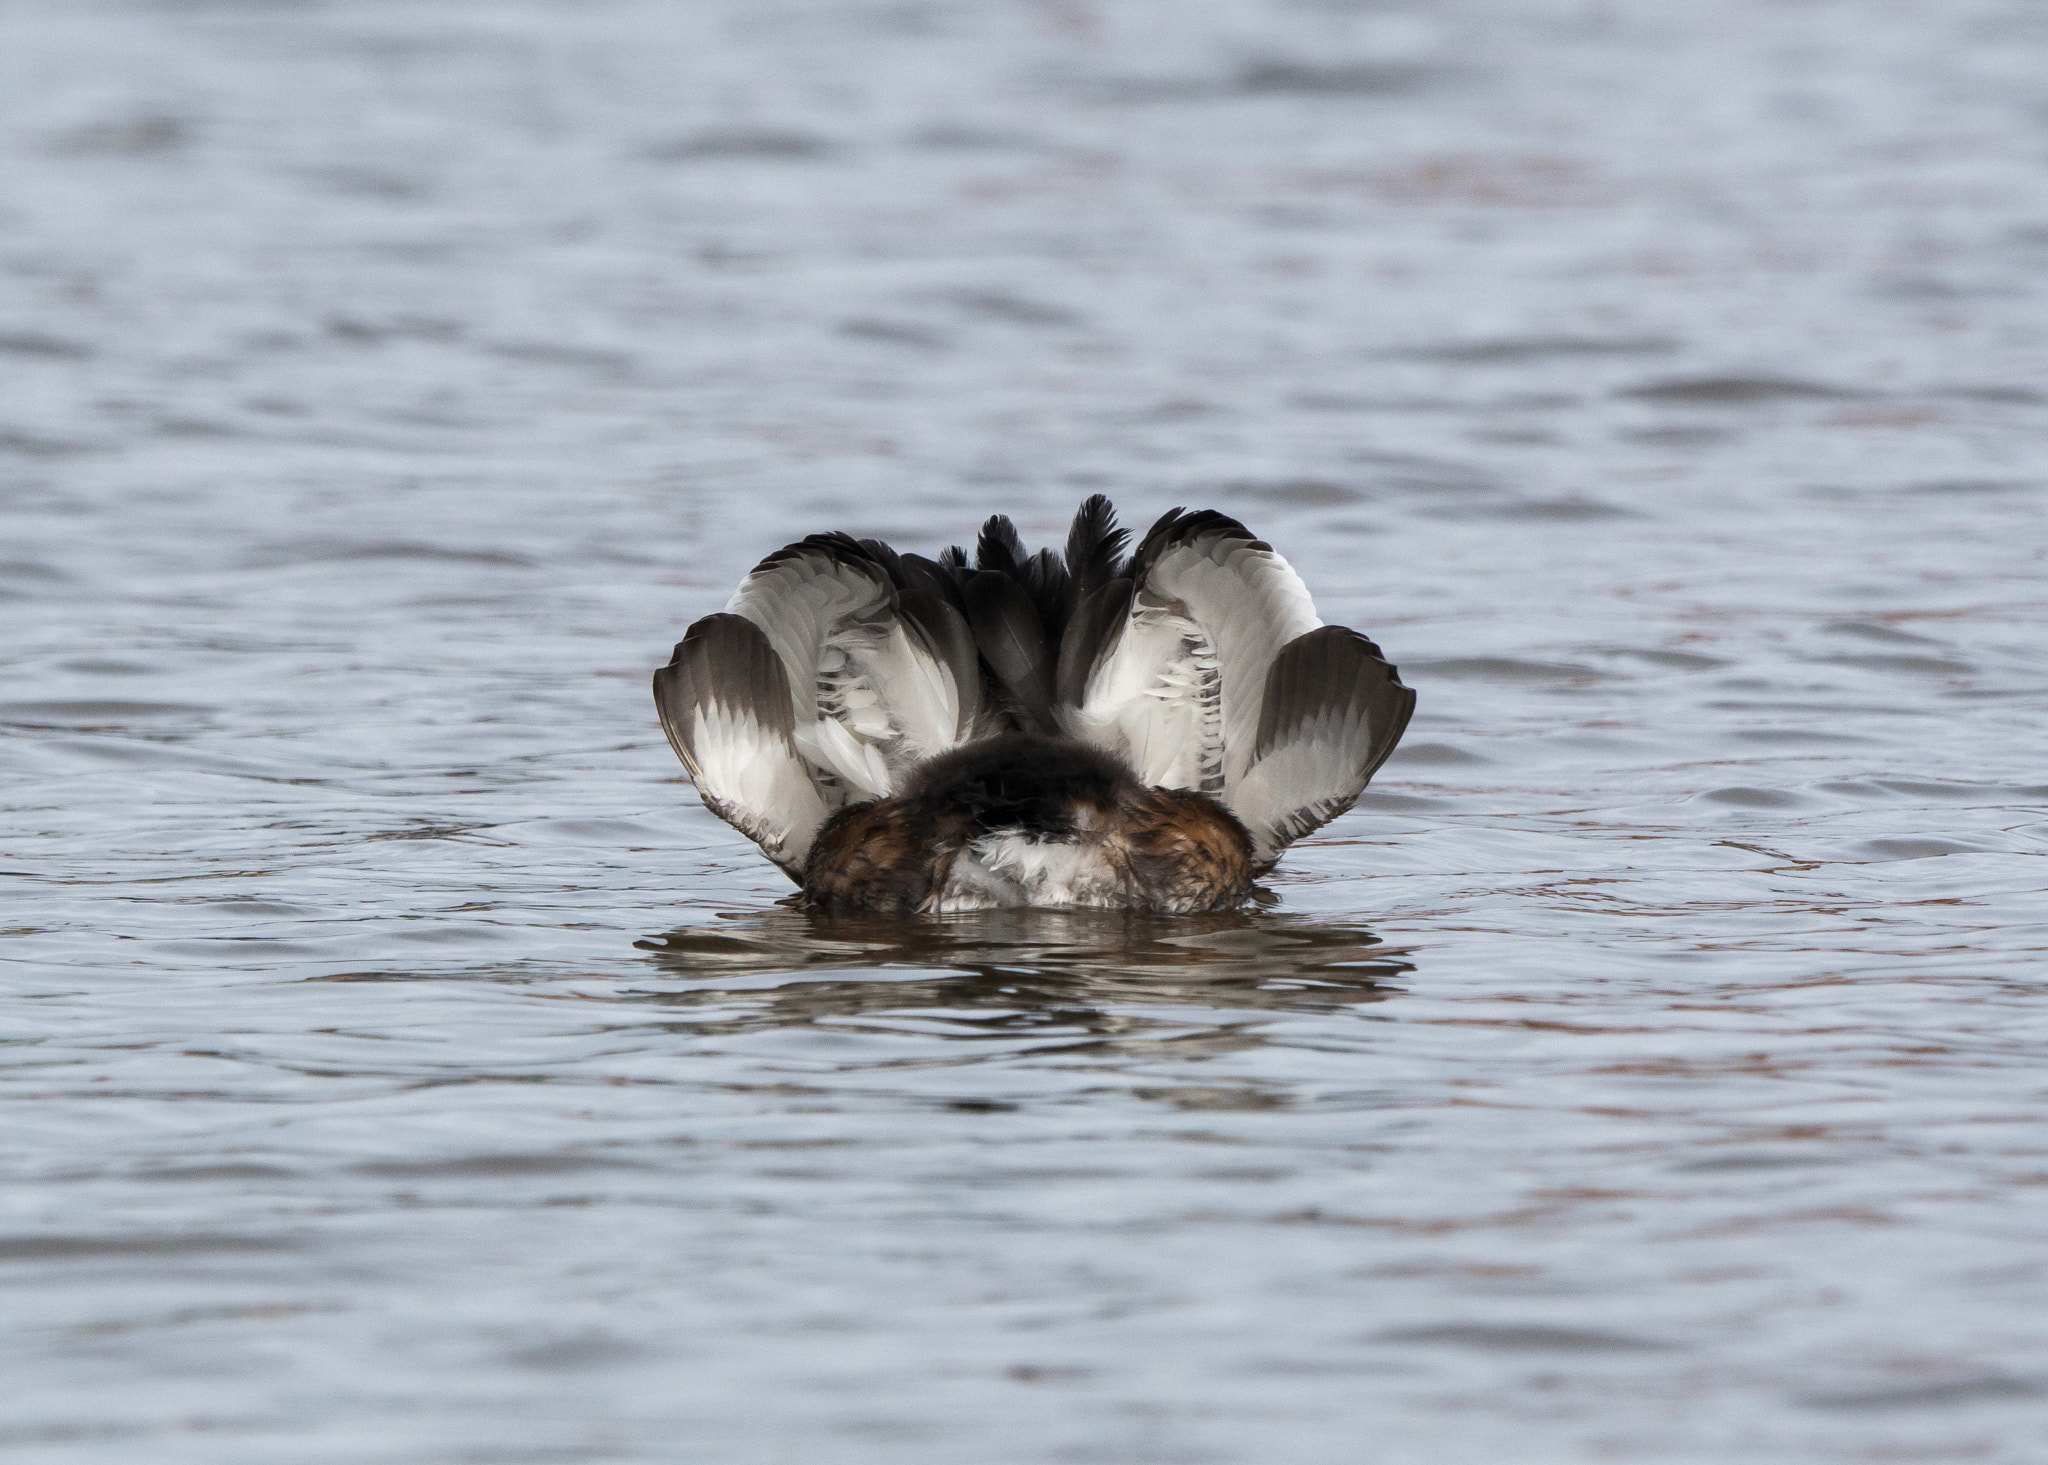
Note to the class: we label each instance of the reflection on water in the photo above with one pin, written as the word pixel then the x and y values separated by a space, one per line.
pixel 1073 969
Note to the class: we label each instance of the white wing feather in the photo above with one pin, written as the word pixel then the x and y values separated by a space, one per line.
pixel 1301 785
pixel 1178 691
pixel 1154 699
pixel 1332 712
pixel 751 777
pixel 871 698
pixel 1251 603
pixel 725 705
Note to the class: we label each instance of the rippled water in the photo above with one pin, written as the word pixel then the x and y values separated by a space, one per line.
pixel 404 1068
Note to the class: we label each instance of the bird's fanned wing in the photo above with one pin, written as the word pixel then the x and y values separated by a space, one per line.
pixel 1331 713
pixel 725 705
pixel 880 661
pixel 1176 688
pixel 841 665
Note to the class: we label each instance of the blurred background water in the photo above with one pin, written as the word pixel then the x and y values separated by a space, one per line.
pixel 402 1067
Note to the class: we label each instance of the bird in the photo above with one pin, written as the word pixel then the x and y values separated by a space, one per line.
pixel 1143 729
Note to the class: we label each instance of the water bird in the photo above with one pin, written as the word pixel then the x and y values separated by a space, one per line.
pixel 1144 731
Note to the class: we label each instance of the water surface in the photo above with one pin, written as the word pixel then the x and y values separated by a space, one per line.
pixel 402 1067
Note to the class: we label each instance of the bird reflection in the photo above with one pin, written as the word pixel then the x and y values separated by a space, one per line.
pixel 1012 972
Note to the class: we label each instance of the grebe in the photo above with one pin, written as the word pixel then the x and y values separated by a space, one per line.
pixel 902 734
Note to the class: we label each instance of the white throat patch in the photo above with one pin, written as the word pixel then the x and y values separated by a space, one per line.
pixel 1011 868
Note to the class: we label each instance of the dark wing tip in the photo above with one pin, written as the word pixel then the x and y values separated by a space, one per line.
pixel 869 557
pixel 1184 526
pixel 724 671
pixel 1328 692
pixel 726 660
pixel 1334 669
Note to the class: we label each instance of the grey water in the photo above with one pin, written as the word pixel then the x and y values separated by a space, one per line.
pixel 401 1066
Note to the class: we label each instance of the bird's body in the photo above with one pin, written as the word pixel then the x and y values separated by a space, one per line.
pixel 1021 819
pixel 909 735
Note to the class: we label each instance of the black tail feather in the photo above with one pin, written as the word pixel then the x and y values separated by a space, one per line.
pixel 1012 642
pixel 1046 579
pixel 1095 550
pixel 999 551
